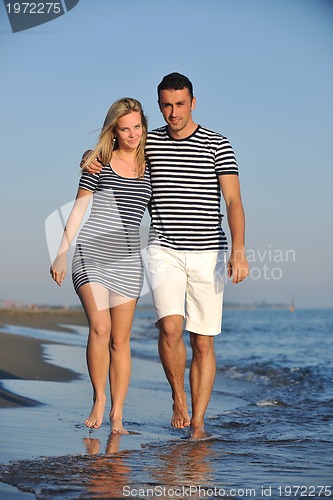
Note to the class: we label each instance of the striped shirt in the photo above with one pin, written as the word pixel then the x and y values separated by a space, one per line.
pixel 185 207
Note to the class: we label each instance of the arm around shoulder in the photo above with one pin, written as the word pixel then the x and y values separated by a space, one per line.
pixel 95 167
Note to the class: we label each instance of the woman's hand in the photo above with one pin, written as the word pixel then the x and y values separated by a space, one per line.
pixel 58 269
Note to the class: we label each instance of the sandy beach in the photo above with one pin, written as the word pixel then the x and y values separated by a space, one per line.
pixel 46 396
pixel 267 416
pixel 43 318
pixel 44 403
pixel 21 357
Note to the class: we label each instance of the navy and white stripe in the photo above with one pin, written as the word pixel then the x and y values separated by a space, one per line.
pixel 185 208
pixel 108 246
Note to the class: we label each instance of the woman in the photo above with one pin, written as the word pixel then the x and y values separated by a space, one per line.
pixel 107 269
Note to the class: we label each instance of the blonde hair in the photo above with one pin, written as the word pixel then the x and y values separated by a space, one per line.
pixel 108 140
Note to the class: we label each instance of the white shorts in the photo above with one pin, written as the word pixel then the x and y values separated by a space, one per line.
pixel 189 284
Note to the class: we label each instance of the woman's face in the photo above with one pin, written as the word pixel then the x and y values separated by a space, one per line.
pixel 129 131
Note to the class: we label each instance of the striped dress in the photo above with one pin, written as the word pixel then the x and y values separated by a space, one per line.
pixel 108 246
pixel 185 207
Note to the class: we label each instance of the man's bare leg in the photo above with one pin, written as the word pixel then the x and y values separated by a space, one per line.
pixel 202 376
pixel 173 356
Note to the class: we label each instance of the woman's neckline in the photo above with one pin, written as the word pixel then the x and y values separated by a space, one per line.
pixel 119 175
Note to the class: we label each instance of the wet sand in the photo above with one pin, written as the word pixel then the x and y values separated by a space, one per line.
pixel 45 392
pixel 46 397
pixel 22 357
pixel 44 318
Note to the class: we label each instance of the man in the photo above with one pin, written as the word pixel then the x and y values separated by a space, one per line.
pixel 190 166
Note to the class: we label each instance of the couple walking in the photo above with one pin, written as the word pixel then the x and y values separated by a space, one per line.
pixel 179 171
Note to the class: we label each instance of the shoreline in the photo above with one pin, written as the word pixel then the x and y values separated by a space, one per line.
pixel 23 358
pixel 255 416
pixel 43 318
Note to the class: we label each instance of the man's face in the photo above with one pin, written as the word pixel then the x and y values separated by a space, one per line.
pixel 176 107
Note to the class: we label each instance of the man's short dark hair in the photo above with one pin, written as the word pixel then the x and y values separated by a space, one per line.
pixel 175 81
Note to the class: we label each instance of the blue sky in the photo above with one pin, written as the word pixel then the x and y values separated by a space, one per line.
pixel 262 72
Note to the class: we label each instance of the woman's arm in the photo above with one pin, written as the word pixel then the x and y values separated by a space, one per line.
pixel 59 267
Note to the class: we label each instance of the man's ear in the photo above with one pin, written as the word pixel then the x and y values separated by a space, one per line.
pixel 194 103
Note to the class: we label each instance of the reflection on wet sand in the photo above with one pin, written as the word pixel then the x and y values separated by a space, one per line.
pixel 107 471
pixel 186 463
pixel 93 445
pixel 107 475
pixel 182 464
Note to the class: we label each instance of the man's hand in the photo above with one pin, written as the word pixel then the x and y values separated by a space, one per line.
pixel 238 267
pixel 95 167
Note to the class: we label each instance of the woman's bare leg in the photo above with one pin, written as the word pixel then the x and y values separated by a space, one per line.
pixel 122 312
pixel 95 301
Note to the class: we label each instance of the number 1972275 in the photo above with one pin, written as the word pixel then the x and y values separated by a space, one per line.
pixel 304 491
pixel 34 8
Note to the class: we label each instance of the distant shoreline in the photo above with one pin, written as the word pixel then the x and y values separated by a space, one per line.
pixel 47 318
pixel 53 313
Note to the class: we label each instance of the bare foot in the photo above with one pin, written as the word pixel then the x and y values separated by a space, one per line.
pixel 180 417
pixel 199 433
pixel 117 426
pixel 95 419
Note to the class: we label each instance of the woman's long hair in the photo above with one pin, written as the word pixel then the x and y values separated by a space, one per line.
pixel 108 141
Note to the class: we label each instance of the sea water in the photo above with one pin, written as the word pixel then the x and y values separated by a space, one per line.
pixel 274 440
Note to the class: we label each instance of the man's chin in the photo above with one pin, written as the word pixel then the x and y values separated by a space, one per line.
pixel 176 127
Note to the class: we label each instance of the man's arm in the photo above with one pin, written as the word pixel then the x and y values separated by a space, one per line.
pixel 238 267
pixel 95 167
